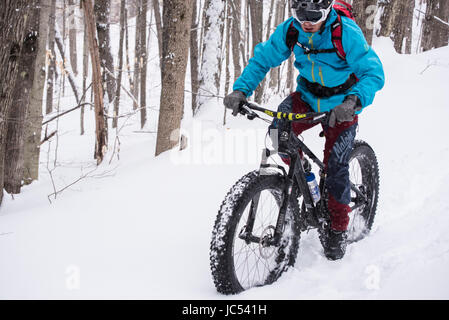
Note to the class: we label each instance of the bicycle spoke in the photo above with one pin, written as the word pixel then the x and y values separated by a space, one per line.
pixel 251 265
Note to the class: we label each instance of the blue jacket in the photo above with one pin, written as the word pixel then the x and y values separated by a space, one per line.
pixel 325 68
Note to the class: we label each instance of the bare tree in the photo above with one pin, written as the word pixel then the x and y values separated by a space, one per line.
pixel 365 11
pixel 34 117
pixel 435 33
pixel 100 126
pixel 227 46
pixel 13 19
pixel 194 56
pixel 275 74
pixel 143 62
pixel 120 62
pixel 137 50
pixel 13 168
pixel 176 38
pixel 256 9
pixel 237 43
pixel 102 9
pixel 128 64
pixel 72 36
pixel 67 69
pixel 52 55
pixel 157 15
pixel 396 22
pixel 85 74
pixel 211 58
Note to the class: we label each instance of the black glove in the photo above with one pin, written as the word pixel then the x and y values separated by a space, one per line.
pixel 345 111
pixel 234 101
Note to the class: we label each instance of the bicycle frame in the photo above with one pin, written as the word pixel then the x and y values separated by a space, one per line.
pixel 295 178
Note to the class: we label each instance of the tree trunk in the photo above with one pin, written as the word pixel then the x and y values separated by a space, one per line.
pixel 85 74
pixel 72 36
pixel 67 70
pixel 209 74
pixel 194 56
pixel 64 16
pixel 52 55
pixel 33 127
pixel 270 18
pixel 143 63
pixel 120 63
pixel 226 48
pixel 256 9
pixel 102 9
pixel 365 12
pixel 100 128
pixel 137 50
pixel 157 15
pixel 14 145
pixel 13 19
pixel 435 34
pixel 237 43
pixel 275 74
pixel 176 39
pixel 128 63
pixel 396 22
pixel 221 53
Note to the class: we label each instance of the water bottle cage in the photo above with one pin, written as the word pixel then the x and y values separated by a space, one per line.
pixel 306 165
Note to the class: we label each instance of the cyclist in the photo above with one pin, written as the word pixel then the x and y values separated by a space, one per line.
pixel 339 73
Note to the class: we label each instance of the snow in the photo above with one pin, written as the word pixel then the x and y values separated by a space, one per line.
pixel 140 227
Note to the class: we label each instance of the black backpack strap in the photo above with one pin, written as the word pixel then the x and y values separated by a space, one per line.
pixel 325 92
pixel 337 40
pixel 292 40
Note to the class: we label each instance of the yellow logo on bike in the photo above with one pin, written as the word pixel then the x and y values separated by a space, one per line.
pixel 270 113
pixel 289 116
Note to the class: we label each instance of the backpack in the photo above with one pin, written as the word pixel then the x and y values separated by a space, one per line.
pixel 343 9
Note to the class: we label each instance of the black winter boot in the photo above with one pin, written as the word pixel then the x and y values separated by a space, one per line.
pixel 335 247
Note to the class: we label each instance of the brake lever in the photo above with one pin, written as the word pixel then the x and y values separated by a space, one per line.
pixel 250 114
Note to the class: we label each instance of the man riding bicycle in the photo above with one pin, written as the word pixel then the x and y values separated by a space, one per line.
pixel 339 73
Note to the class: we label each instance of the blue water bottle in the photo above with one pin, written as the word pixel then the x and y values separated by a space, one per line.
pixel 313 186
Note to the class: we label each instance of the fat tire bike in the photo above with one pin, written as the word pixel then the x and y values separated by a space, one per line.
pixel 256 234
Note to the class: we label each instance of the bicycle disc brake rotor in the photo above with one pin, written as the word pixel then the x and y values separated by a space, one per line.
pixel 265 248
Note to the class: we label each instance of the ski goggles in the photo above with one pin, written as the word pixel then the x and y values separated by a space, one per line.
pixel 309 12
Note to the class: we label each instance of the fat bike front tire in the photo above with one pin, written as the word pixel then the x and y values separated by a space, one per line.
pixel 237 264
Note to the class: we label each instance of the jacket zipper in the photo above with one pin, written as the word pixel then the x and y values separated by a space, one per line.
pixel 313 69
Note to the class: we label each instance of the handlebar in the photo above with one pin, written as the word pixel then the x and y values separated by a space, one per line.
pixel 312 117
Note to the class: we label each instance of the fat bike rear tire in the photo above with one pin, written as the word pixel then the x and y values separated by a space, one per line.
pixel 364 173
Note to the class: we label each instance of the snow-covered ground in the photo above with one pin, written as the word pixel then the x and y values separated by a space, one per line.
pixel 140 227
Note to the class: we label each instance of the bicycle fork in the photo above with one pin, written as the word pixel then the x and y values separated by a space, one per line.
pixel 296 174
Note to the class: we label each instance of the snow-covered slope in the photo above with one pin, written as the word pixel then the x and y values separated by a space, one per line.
pixel 140 227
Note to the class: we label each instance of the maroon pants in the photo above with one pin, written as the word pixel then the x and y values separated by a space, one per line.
pixel 337 150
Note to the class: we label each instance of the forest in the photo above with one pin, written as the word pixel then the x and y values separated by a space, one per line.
pixel 97 99
pixel 43 42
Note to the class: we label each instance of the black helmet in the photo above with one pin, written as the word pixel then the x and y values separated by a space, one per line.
pixel 313 11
